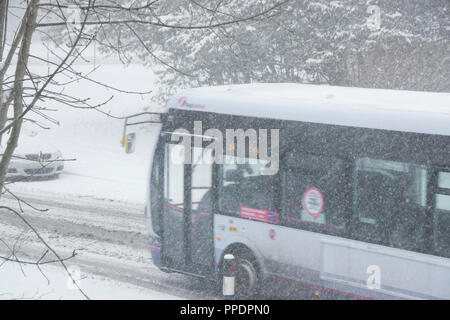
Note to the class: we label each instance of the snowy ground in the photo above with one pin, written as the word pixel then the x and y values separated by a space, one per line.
pixel 96 207
pixel 53 283
pixel 113 256
pixel 102 169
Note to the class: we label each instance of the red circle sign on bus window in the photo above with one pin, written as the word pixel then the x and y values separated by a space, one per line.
pixel 313 202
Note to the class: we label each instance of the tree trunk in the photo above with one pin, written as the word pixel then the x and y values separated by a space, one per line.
pixel 3 14
pixel 21 67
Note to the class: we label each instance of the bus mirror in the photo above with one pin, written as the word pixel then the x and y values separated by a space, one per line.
pixel 129 142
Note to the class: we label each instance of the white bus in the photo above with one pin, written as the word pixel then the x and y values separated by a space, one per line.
pixel 358 207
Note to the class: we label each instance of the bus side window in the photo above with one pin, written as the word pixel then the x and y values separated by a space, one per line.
pixel 442 216
pixel 390 203
pixel 315 192
pixel 243 185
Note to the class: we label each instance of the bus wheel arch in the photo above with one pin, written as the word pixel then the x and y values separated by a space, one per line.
pixel 248 270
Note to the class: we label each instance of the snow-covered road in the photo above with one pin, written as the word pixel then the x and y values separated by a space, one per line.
pixel 109 237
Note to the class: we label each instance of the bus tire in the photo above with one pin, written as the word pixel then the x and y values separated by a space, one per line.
pixel 247 279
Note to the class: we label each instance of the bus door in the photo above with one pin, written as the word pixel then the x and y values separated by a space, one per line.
pixel 187 223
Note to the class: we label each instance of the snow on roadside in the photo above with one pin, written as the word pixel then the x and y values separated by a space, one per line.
pixel 28 282
pixel 102 170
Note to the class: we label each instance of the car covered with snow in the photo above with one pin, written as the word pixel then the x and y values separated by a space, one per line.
pixel 33 158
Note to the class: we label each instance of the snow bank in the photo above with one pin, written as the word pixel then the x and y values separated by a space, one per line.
pixel 29 283
pixel 102 169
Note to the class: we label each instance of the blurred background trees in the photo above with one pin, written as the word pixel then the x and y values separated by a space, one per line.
pixel 316 41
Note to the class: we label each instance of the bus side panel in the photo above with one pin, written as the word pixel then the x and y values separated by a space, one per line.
pixel 232 230
pixel 289 258
pixel 387 270
pixel 348 267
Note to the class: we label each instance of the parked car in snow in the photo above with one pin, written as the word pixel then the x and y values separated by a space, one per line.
pixel 33 158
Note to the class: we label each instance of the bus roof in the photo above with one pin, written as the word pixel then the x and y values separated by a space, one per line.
pixel 408 111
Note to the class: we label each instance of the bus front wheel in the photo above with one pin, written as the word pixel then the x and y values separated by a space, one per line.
pixel 246 275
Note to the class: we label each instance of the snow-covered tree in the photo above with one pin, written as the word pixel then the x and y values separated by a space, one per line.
pixel 316 41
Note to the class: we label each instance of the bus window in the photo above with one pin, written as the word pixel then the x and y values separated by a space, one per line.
pixel 201 206
pixel 315 192
pixel 390 203
pixel 173 216
pixel 442 217
pixel 201 179
pixel 244 185
pixel 444 180
pixel 174 175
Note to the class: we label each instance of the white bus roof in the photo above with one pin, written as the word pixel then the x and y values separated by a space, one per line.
pixel 408 111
